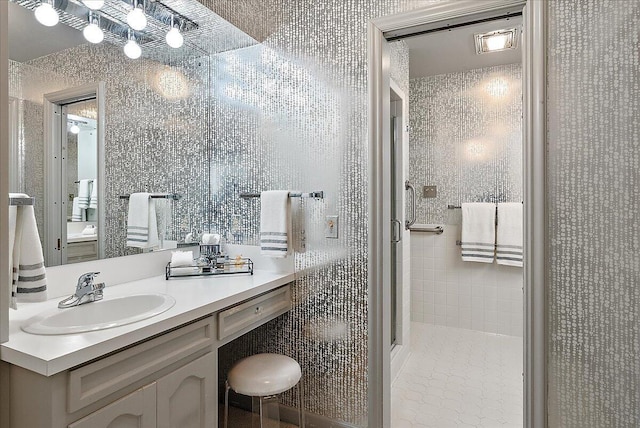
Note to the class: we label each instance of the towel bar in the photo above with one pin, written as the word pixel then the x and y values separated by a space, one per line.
pixel 319 194
pixel 438 230
pixel 172 196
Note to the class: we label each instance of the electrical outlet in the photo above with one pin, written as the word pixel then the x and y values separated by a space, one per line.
pixel 429 191
pixel 331 227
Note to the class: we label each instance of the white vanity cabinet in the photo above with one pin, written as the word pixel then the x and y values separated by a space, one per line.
pixel 167 381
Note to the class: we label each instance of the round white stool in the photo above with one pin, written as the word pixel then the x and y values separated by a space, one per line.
pixel 264 376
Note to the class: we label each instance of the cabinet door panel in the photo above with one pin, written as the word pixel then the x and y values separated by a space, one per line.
pixel 136 410
pixel 186 397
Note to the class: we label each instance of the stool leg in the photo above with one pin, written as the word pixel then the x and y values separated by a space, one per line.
pixel 300 406
pixel 226 403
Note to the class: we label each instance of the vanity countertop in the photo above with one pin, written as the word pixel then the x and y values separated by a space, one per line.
pixel 195 297
pixel 79 237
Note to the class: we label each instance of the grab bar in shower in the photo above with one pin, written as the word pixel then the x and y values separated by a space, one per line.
pixel 438 230
pixel 408 186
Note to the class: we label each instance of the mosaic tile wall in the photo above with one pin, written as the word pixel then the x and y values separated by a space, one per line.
pixel 594 159
pixel 156 134
pixel 466 138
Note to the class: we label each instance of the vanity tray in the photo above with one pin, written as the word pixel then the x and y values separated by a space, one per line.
pixel 231 267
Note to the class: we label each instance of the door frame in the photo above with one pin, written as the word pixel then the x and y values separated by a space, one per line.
pixel 535 217
pixel 54 198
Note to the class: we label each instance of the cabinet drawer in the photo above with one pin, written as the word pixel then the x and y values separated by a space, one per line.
pixel 90 383
pixel 254 312
pixel 82 249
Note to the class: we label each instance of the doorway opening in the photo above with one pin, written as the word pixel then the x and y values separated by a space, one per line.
pixel 473 154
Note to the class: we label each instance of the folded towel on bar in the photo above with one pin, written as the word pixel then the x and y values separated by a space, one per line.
pixel 509 236
pixel 77 213
pixel 275 223
pixel 93 199
pixel 29 279
pixel 84 194
pixel 478 232
pixel 142 224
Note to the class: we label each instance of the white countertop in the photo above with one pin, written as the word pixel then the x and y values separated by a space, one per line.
pixel 195 297
pixel 79 237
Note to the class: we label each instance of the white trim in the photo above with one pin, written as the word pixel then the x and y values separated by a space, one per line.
pixel 15 173
pixel 535 208
pixel 53 227
pixel 5 277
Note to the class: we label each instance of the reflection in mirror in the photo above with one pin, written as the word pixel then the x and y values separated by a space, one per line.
pixel 156 110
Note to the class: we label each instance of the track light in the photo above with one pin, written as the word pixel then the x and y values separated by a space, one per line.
pixel 46 14
pixel 92 32
pixel 136 17
pixel 174 38
pixel 132 49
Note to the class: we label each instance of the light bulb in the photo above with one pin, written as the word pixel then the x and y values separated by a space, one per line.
pixel 93 4
pixel 136 19
pixel 174 38
pixel 132 49
pixel 47 15
pixel 74 129
pixel 497 42
pixel 93 33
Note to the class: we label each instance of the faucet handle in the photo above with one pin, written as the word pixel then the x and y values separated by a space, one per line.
pixel 86 279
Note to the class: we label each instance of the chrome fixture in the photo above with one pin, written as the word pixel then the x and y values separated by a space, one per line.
pixel 319 194
pixel 496 41
pixel 46 14
pixel 136 17
pixel 174 37
pixel 438 230
pixel 132 48
pixel 408 223
pixel 92 32
pixel 86 291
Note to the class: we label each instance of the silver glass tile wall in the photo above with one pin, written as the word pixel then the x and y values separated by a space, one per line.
pixel 466 138
pixel 156 133
pixel 594 231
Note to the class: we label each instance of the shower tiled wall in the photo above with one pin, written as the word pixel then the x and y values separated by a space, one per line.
pixel 466 138
pixel 594 228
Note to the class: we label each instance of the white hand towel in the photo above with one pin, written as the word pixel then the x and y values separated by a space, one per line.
pixel 84 194
pixel 142 226
pixel 29 279
pixel 509 237
pixel 478 232
pixel 275 223
pixel 77 213
pixel 93 199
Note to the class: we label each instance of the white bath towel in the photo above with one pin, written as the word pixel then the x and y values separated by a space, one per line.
pixel 29 279
pixel 478 232
pixel 275 223
pixel 509 236
pixel 77 213
pixel 93 199
pixel 142 226
pixel 84 194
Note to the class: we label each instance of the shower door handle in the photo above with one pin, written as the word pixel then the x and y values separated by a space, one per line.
pixel 397 232
pixel 409 222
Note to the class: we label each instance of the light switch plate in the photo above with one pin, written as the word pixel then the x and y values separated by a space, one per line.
pixel 331 227
pixel 429 191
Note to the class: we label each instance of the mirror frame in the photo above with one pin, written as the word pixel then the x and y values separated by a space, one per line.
pixel 54 200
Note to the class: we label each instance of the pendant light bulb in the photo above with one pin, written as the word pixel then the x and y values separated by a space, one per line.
pixel 92 32
pixel 136 18
pixel 132 49
pixel 46 14
pixel 174 38
pixel 93 4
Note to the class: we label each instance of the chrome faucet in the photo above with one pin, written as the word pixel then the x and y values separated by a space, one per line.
pixel 86 291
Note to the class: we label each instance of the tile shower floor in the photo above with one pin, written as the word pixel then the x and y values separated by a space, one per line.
pixel 459 378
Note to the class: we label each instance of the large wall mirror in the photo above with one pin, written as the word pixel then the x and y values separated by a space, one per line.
pixel 81 154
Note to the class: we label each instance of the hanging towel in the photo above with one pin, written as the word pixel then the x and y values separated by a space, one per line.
pixel 93 199
pixel 28 280
pixel 142 226
pixel 77 213
pixel 509 235
pixel 478 232
pixel 275 223
pixel 84 194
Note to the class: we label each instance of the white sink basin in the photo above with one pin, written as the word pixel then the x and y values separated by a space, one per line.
pixel 99 315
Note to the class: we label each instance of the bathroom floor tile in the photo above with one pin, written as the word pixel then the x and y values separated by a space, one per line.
pixel 459 378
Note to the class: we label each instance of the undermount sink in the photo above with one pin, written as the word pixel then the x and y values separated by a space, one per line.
pixel 99 315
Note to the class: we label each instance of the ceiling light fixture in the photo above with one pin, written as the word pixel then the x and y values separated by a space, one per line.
pixel 93 4
pixel 174 38
pixel 74 129
pixel 46 14
pixel 132 49
pixel 496 41
pixel 136 17
pixel 92 32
